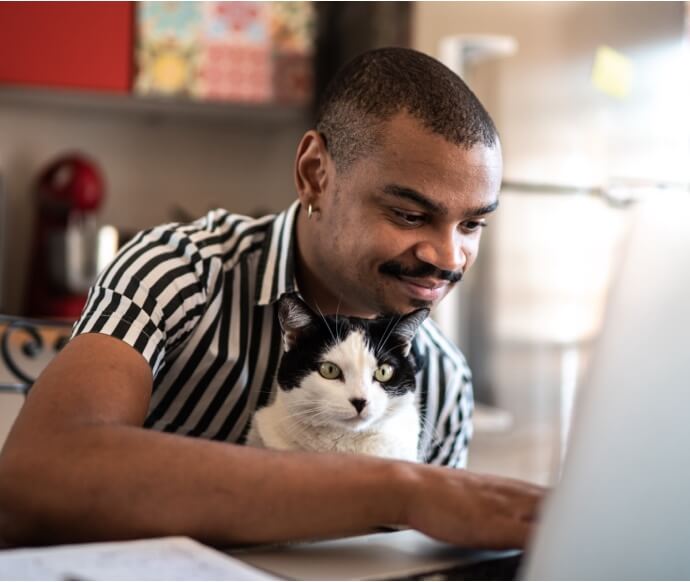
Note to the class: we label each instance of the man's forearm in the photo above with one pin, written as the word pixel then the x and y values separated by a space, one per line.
pixel 113 482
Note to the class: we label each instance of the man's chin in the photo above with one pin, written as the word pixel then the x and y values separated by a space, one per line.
pixel 403 305
pixel 420 303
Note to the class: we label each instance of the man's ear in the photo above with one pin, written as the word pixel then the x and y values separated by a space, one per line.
pixel 407 327
pixel 295 318
pixel 313 166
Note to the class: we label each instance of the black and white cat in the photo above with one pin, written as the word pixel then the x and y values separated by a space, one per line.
pixel 345 385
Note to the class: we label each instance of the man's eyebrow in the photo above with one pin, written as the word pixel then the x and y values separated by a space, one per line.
pixel 486 209
pixel 416 197
pixel 429 205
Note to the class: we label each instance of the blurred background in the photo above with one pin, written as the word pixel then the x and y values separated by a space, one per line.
pixel 118 116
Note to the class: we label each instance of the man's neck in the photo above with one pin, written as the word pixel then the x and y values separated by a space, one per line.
pixel 311 285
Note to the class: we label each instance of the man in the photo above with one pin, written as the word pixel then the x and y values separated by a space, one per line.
pixel 180 336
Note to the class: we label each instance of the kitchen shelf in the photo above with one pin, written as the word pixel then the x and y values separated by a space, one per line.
pixel 154 108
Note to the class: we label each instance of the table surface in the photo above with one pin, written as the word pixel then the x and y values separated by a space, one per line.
pixel 398 555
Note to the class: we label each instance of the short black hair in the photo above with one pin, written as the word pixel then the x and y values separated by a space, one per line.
pixel 378 84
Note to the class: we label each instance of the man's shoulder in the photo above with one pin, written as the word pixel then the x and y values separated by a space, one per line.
pixel 219 233
pixel 217 223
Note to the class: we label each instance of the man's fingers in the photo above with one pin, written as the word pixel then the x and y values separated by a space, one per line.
pixel 520 534
pixel 525 497
pixel 511 485
pixel 511 507
pixel 504 534
pixel 488 511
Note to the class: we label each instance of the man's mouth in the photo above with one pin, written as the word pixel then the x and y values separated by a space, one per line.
pixel 425 289
pixel 424 283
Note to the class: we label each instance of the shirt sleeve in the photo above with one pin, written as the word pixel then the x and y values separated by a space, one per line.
pixel 152 295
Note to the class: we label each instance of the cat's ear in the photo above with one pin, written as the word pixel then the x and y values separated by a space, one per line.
pixel 295 317
pixel 407 328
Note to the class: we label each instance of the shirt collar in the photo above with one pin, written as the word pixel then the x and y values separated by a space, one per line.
pixel 276 275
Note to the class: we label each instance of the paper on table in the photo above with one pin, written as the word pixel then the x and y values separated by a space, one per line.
pixel 172 558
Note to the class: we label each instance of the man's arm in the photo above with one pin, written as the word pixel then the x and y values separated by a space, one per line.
pixel 77 466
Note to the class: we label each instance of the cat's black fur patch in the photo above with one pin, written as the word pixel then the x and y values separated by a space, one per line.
pixel 312 335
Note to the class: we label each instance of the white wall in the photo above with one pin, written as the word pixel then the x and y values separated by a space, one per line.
pixel 555 126
pixel 195 161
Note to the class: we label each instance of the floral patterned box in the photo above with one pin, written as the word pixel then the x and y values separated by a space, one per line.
pixel 255 52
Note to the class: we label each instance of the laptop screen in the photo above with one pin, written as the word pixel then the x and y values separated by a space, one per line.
pixel 621 510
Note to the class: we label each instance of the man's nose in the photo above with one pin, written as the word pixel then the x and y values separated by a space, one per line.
pixel 445 252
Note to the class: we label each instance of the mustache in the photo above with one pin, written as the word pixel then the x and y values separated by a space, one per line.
pixel 396 269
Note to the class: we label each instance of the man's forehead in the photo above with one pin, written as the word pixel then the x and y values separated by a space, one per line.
pixel 412 150
pixel 471 175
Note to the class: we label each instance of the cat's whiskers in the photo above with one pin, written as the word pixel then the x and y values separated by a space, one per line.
pixel 429 431
pixel 294 431
pixel 319 414
pixel 328 327
pixel 383 335
pixel 296 420
pixel 389 350
pixel 268 391
pixel 301 421
pixel 304 411
pixel 314 411
pixel 386 337
pixel 337 309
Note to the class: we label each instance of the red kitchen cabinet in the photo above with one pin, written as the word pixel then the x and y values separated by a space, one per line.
pixel 73 45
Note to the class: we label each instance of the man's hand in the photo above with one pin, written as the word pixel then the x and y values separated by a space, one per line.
pixel 471 510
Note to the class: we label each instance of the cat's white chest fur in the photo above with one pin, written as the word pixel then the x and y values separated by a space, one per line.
pixel 396 436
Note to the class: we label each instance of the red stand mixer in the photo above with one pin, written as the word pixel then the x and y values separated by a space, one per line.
pixel 65 262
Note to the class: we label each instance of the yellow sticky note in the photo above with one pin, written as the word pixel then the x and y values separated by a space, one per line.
pixel 612 72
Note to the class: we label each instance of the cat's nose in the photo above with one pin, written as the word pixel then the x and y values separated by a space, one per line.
pixel 359 404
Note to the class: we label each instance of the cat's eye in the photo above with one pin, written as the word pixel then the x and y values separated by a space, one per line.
pixel 384 372
pixel 329 371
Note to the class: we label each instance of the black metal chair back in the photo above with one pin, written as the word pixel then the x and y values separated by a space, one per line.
pixel 26 347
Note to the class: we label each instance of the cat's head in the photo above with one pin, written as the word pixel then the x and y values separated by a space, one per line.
pixel 345 371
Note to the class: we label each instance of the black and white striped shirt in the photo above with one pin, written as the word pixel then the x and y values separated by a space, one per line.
pixel 198 302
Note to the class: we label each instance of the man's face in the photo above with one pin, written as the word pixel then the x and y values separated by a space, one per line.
pixel 401 226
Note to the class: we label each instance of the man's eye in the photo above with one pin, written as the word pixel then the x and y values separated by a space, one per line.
pixel 409 219
pixel 473 225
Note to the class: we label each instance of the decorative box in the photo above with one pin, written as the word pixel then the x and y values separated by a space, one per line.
pixel 252 52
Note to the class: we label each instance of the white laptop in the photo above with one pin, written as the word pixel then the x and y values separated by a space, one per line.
pixel 622 508
pixel 398 555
